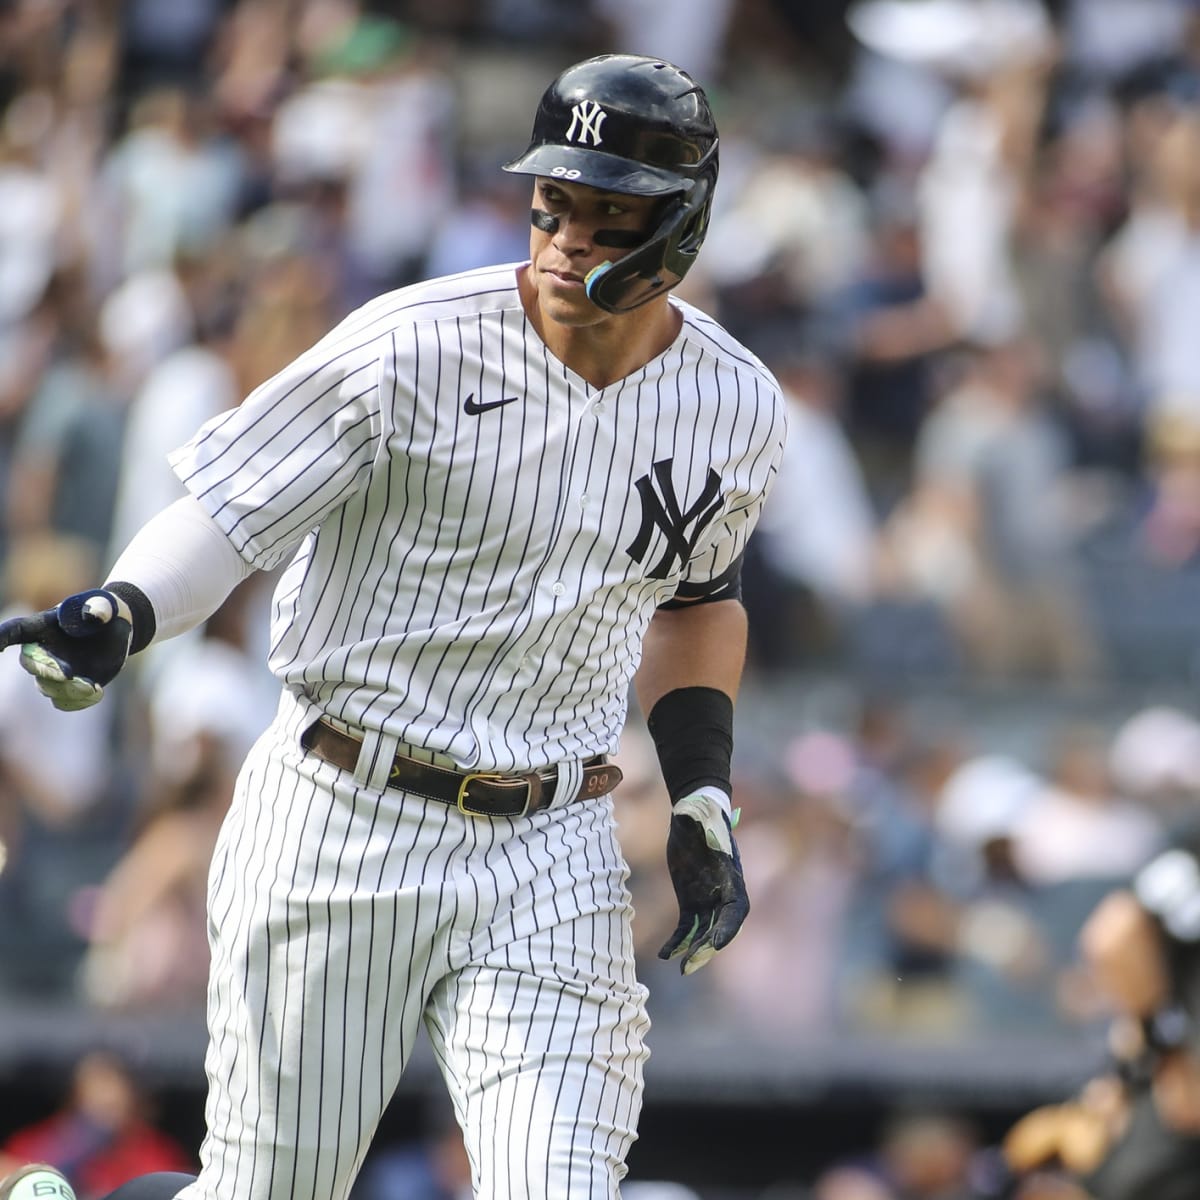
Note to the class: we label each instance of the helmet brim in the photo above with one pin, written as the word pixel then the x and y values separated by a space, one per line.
pixel 594 168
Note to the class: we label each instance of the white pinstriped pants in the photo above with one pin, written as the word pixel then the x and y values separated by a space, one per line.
pixel 342 919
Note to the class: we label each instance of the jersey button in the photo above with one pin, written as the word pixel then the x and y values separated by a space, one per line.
pixel 559 588
pixel 583 500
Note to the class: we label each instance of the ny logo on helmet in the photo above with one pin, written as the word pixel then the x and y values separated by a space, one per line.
pixel 586 118
pixel 668 514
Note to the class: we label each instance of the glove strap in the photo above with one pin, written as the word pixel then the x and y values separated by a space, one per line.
pixel 692 728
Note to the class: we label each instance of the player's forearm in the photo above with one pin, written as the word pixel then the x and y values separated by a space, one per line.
pixel 183 565
pixel 703 645
pixel 686 685
pixel 690 672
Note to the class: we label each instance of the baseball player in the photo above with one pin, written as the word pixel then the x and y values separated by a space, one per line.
pixel 500 494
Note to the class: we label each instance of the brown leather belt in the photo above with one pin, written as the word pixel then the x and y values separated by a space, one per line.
pixel 476 793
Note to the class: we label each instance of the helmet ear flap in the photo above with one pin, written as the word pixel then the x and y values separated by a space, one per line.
pixel 662 260
pixel 686 244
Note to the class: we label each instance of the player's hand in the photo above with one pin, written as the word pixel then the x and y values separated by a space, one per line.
pixel 75 648
pixel 706 873
pixel 1075 1135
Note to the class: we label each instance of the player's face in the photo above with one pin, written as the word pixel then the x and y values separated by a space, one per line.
pixel 562 259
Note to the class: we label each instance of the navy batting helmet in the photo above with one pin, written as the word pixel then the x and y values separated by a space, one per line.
pixel 642 127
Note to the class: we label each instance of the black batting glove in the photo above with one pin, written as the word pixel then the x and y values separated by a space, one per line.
pixel 74 649
pixel 706 873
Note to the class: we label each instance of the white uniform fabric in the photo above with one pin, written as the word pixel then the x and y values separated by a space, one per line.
pixel 487 606
pixel 479 540
pixel 345 919
pixel 184 566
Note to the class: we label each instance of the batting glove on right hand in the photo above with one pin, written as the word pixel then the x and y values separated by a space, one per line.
pixel 706 872
pixel 74 649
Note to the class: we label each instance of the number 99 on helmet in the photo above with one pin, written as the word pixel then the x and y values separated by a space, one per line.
pixel 638 126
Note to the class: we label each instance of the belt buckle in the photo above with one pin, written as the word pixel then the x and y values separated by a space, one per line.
pixel 463 799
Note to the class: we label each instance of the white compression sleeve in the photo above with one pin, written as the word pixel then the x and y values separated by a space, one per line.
pixel 184 565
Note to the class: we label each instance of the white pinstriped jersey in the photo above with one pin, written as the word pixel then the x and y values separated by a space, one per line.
pixel 481 537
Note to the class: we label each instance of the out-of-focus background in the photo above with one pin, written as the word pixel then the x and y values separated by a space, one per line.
pixel 964 233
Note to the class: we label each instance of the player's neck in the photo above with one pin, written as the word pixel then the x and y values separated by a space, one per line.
pixel 610 349
pixel 606 353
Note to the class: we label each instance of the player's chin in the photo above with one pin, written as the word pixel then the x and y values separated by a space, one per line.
pixel 573 309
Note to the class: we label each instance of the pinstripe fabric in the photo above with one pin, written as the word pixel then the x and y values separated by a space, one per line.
pixel 478 540
pixel 460 581
pixel 341 919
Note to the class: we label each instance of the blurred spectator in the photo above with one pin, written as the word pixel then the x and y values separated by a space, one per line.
pixel 796 229
pixel 1079 826
pixel 166 43
pixel 147 928
pixel 31 211
pixel 1074 196
pixel 1007 954
pixel 889 331
pixel 64 475
pixel 486 226
pixel 179 393
pixel 894 974
pixel 142 320
pixel 377 116
pixel 1154 759
pixel 689 33
pixel 1169 534
pixel 1151 268
pixel 290 297
pixel 998 54
pixel 102 1135
pixel 921 1156
pixel 815 543
pixel 1108 40
pixel 57 776
pixel 215 695
pixel 985 533
pixel 779 975
pixel 170 184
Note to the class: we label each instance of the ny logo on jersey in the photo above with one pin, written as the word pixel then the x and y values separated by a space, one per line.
pixel 666 514
pixel 586 118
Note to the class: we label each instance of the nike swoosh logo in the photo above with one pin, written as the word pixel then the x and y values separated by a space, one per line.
pixel 473 409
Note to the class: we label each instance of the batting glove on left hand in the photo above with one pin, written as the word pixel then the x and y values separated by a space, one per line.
pixel 74 649
pixel 706 872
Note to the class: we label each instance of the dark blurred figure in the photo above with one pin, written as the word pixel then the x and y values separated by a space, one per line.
pixel 167 43
pixel 810 564
pixel 890 331
pixel 921 1156
pixel 987 533
pixel 102 1135
pixel 1133 1133
pixel 432 1167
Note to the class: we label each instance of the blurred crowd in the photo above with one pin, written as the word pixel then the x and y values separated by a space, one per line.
pixel 965 234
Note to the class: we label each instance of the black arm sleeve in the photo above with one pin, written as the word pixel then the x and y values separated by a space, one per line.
pixel 726 586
